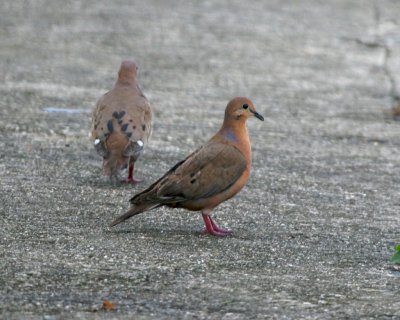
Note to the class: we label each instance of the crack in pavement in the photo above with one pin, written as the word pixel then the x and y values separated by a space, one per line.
pixel 379 40
pixel 393 93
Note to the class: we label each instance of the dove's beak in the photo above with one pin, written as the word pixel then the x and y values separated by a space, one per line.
pixel 257 115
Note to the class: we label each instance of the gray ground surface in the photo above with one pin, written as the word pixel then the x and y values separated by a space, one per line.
pixel 314 228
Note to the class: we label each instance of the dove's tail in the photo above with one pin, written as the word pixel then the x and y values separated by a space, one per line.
pixel 131 212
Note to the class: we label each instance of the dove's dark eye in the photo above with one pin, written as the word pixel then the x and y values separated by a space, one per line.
pixel 245 106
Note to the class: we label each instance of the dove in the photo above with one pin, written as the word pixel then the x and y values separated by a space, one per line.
pixel 122 123
pixel 212 174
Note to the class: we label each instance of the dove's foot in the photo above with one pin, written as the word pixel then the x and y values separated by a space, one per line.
pixel 213 229
pixel 131 178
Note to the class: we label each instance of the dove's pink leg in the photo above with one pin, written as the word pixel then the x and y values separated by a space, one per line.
pixel 131 178
pixel 213 229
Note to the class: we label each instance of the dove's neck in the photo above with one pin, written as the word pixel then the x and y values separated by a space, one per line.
pixel 236 134
pixel 131 84
pixel 127 80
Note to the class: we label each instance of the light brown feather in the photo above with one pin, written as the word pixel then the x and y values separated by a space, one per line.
pixel 135 124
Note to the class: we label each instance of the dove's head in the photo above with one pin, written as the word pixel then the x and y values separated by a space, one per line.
pixel 128 70
pixel 115 159
pixel 117 151
pixel 240 109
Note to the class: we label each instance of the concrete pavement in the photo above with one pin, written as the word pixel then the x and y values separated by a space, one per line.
pixel 314 228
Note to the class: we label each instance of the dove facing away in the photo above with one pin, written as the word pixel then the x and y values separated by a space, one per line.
pixel 122 123
pixel 209 176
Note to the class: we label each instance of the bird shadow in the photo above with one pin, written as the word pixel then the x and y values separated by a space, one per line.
pixel 108 183
pixel 156 233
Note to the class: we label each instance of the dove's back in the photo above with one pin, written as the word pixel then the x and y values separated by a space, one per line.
pixel 123 115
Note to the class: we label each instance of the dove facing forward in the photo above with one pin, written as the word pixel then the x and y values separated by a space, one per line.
pixel 122 123
pixel 209 176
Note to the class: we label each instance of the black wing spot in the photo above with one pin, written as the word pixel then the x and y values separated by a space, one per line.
pixel 119 122
pixel 130 120
pixel 118 115
pixel 192 174
pixel 134 127
pixel 192 181
pixel 110 126
pixel 144 127
pixel 129 134
pixel 124 127
pixel 121 114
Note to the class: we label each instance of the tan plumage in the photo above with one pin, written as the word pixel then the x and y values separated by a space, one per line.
pixel 122 123
pixel 212 174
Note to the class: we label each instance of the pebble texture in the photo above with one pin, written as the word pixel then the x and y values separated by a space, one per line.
pixel 316 224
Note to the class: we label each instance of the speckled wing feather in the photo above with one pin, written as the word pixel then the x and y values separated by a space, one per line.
pixel 124 111
pixel 208 171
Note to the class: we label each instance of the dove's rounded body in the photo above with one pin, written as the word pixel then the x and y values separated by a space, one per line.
pixel 209 176
pixel 213 201
pixel 121 119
